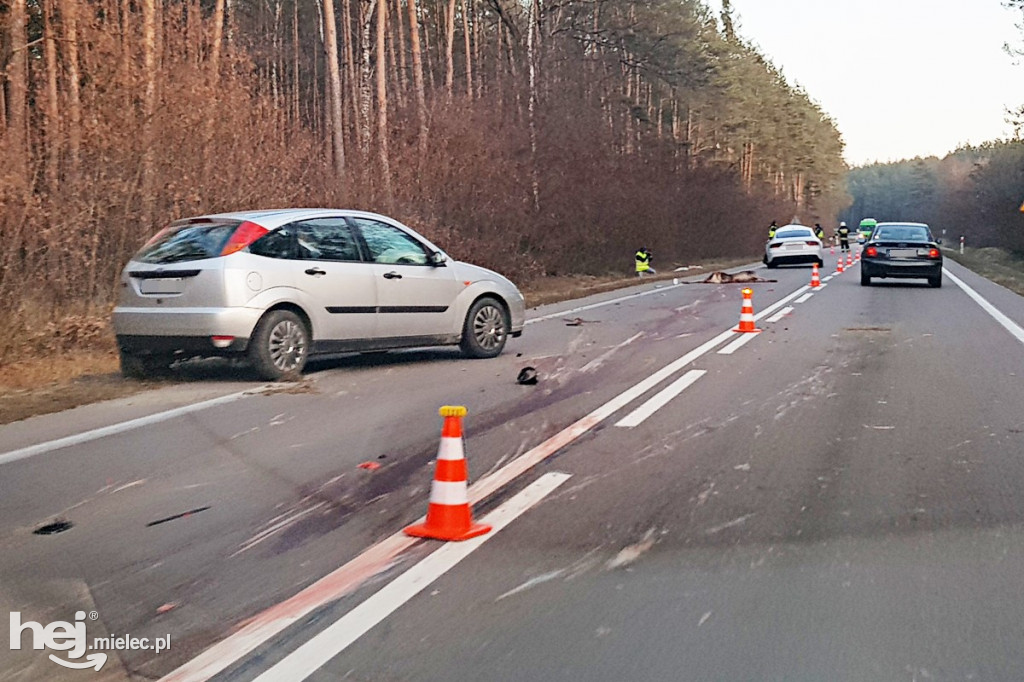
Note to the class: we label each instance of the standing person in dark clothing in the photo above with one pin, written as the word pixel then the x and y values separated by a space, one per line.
pixel 844 237
pixel 771 230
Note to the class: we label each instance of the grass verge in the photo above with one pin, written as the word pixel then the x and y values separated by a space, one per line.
pixel 1002 267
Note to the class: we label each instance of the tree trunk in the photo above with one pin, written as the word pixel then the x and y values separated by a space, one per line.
pixel 69 17
pixel 17 82
pixel 216 42
pixel 350 63
pixel 449 50
pixel 469 52
pixel 52 105
pixel 296 80
pixel 531 26
pixel 150 60
pixel 334 78
pixel 403 68
pixel 365 88
pixel 382 102
pixel 417 75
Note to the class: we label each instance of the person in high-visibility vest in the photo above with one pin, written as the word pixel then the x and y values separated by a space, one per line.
pixel 771 230
pixel 643 262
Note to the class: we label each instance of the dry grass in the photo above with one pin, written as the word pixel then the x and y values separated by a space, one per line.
pixel 998 265
pixel 42 385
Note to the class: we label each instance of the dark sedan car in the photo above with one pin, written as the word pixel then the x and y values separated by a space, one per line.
pixel 903 250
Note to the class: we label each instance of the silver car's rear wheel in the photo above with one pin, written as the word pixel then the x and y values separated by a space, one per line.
pixel 486 329
pixel 280 345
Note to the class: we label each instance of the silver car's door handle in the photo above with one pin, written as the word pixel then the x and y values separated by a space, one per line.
pixel 315 271
pixel 392 275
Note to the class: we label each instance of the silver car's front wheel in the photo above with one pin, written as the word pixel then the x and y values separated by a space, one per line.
pixel 280 345
pixel 486 329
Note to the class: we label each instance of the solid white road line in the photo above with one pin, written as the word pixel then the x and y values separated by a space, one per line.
pixel 781 314
pixel 999 317
pixel 743 340
pixel 551 316
pixel 309 657
pixel 103 432
pixel 804 298
pixel 660 399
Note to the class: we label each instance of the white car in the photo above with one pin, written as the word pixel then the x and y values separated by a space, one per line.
pixel 279 286
pixel 793 244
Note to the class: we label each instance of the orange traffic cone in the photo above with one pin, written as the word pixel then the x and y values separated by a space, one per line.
pixel 747 313
pixel 831 249
pixel 849 259
pixel 448 514
pixel 815 280
pixel 839 265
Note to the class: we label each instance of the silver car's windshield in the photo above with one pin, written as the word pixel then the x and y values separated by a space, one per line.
pixel 188 241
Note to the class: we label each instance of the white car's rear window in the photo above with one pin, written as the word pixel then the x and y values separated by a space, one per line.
pixel 789 234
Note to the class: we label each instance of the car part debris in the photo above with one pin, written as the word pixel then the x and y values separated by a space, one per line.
pixel 527 376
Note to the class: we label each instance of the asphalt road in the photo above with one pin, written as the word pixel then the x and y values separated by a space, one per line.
pixel 837 499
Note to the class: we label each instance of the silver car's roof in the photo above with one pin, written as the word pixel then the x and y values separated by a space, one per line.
pixel 274 217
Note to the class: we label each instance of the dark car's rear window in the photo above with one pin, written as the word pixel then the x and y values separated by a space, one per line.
pixel 192 240
pixel 903 233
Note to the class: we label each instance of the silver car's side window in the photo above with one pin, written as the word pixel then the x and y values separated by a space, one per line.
pixel 326 239
pixel 387 244
pixel 277 243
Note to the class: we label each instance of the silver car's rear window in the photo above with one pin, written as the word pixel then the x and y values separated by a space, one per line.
pixel 191 240
pixel 789 234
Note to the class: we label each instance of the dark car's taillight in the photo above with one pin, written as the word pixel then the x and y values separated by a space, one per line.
pixel 933 253
pixel 244 234
pixel 871 251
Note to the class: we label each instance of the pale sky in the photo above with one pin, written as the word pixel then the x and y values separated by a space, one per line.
pixel 901 78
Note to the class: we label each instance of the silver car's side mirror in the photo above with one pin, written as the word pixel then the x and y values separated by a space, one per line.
pixel 438 259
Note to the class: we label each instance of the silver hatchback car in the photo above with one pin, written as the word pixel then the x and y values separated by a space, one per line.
pixel 280 286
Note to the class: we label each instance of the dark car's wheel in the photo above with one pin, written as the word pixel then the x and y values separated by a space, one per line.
pixel 279 346
pixel 486 329
pixel 144 366
pixel 936 281
pixel 865 279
